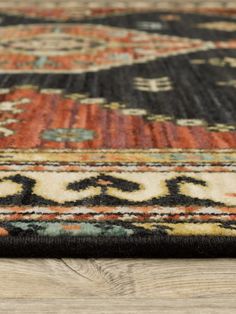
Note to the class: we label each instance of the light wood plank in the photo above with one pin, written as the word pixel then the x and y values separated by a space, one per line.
pixel 70 278
pixel 124 285
pixel 117 306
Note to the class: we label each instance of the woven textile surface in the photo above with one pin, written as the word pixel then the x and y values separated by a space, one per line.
pixel 117 128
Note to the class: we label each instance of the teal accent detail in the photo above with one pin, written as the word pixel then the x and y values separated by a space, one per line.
pixel 40 62
pixel 54 229
pixel 68 135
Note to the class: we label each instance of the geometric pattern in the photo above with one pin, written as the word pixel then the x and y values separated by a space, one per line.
pixel 59 10
pixel 81 48
pixel 153 85
pixel 24 107
pixel 160 199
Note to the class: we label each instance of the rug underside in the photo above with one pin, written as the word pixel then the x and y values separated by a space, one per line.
pixel 118 128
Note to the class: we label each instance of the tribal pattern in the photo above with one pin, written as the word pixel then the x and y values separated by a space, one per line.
pixel 117 120
pixel 64 48
pixel 173 192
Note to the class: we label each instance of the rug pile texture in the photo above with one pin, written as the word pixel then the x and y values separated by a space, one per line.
pixel 117 128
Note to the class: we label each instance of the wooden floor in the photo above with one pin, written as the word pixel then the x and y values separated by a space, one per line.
pixel 117 286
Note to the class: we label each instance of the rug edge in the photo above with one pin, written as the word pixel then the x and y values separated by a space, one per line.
pixel 114 247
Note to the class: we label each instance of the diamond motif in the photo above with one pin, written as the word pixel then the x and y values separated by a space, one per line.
pixel 84 47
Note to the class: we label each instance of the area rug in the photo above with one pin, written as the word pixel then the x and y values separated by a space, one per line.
pixel 117 128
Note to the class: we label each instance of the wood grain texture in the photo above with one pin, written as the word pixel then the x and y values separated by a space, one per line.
pixel 117 286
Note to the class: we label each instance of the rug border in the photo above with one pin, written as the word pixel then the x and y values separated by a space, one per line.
pixel 115 247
